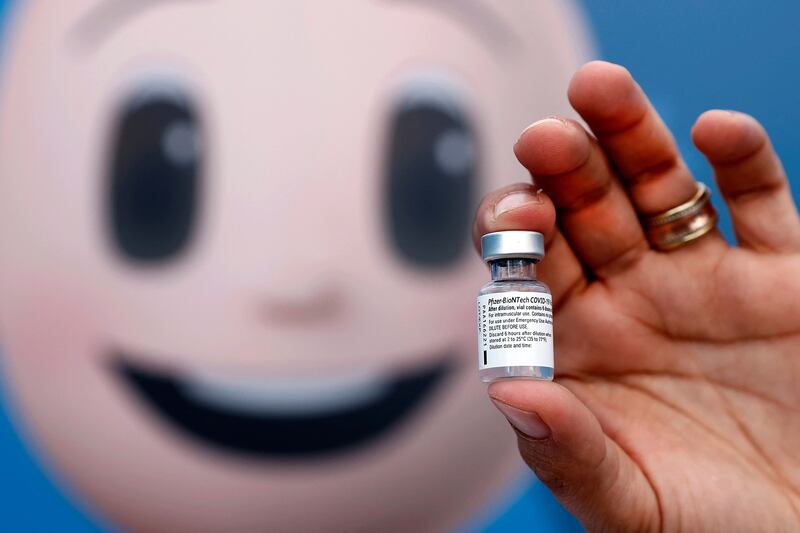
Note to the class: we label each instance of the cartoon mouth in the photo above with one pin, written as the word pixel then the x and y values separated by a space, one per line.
pixel 282 417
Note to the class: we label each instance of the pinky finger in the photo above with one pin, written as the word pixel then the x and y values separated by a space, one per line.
pixel 751 179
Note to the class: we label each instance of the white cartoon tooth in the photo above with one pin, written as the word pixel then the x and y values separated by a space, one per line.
pixel 285 396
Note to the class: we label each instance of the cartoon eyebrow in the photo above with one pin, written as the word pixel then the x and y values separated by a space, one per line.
pixel 108 15
pixel 478 18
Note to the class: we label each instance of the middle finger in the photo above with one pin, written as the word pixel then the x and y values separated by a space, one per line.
pixel 594 212
pixel 633 135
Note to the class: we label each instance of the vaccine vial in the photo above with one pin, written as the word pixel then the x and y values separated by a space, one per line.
pixel 515 310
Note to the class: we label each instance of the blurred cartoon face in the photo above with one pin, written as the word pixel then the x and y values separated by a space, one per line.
pixel 236 278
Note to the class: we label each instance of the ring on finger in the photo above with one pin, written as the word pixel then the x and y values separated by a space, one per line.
pixel 682 224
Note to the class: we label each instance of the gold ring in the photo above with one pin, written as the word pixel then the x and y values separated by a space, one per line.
pixel 682 224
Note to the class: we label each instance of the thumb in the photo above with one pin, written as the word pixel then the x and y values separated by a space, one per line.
pixel 564 445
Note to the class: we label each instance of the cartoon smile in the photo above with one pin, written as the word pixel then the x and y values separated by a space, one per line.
pixel 282 417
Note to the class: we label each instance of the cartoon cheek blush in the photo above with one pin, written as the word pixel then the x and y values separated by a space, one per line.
pixel 236 269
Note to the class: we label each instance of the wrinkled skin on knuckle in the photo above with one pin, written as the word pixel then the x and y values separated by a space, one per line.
pixel 539 455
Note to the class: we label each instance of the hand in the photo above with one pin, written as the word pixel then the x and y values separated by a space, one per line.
pixel 676 403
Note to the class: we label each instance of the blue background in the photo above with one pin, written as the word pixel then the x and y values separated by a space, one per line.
pixel 689 56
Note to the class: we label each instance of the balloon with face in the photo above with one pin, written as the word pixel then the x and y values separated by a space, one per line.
pixel 236 279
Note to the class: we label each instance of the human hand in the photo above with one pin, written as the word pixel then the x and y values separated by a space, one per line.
pixel 677 396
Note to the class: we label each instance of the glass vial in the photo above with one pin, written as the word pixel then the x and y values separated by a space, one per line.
pixel 515 310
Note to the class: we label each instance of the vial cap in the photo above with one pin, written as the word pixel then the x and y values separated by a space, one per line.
pixel 512 244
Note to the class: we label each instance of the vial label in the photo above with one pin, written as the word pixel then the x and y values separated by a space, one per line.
pixel 515 329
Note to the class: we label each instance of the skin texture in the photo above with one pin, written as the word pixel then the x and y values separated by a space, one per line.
pixel 295 99
pixel 676 403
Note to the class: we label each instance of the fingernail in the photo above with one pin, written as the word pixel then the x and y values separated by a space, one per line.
pixel 516 199
pixel 526 422
pixel 547 120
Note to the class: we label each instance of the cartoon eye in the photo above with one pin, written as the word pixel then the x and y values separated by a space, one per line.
pixel 430 173
pixel 154 175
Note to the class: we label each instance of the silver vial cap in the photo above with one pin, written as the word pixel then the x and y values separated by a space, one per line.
pixel 512 244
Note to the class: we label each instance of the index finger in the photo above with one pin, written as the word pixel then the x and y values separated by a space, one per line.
pixel 523 207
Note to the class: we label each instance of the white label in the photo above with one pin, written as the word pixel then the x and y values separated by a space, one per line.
pixel 515 329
